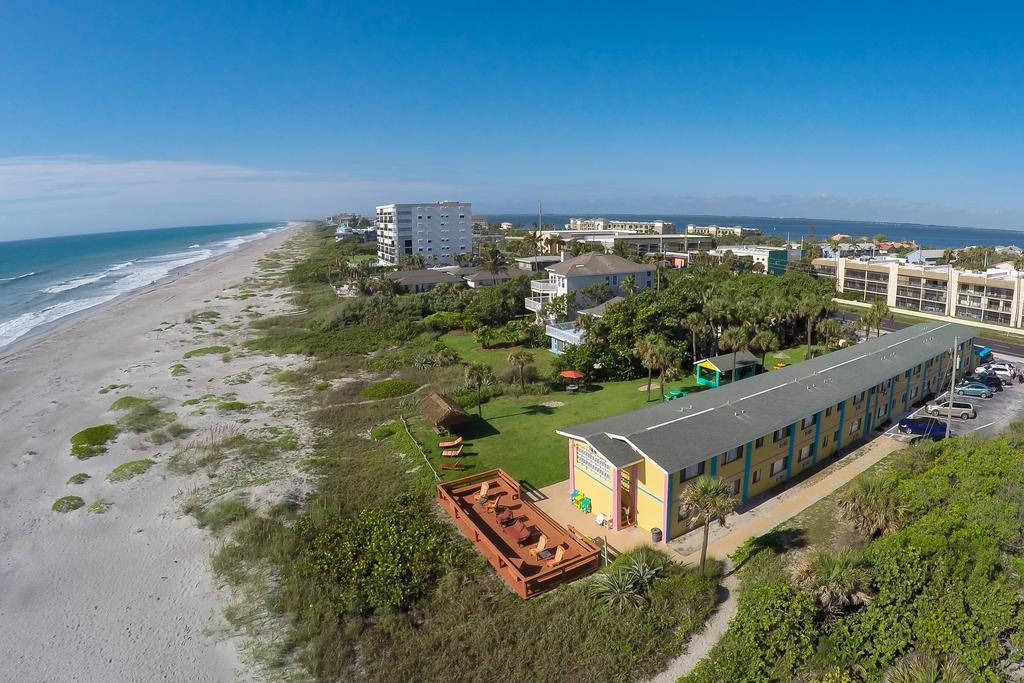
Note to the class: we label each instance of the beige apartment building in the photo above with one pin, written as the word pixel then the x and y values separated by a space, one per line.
pixel 992 296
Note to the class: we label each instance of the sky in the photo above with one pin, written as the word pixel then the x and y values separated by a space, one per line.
pixel 121 115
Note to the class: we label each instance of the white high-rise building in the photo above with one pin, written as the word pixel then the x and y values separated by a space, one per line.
pixel 437 232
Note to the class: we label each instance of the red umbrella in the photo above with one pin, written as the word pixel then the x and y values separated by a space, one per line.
pixel 571 374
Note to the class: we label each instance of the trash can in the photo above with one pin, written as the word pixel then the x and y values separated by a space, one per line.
pixel 655 535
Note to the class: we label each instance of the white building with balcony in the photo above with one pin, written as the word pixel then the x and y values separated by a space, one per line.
pixel 658 227
pixel 586 270
pixel 437 232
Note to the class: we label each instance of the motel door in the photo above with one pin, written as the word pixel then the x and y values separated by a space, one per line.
pixel 627 496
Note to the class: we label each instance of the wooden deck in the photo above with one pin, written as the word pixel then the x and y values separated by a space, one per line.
pixel 513 561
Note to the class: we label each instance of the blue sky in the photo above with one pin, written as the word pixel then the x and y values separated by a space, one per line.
pixel 117 115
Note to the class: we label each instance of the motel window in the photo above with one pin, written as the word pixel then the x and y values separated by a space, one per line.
pixel 882 409
pixel 913 393
pixel 756 476
pixel 779 435
pixel 854 426
pixel 858 398
pixel 730 456
pixel 589 460
pixel 824 441
pixel 759 442
pixel 734 487
pixel 805 453
pixel 691 472
pixel 778 466
pixel 835 437
pixel 828 411
pixel 807 422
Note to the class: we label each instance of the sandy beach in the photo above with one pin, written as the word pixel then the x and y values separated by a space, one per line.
pixel 127 594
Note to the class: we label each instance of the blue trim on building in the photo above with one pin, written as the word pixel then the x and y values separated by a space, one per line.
pixel 892 397
pixel 842 418
pixel 746 470
pixel 714 465
pixel 867 412
pixel 817 439
pixel 792 443
pixel 924 377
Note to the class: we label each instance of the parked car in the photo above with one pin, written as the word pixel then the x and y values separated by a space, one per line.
pixel 928 427
pixel 961 409
pixel 972 389
pixel 988 379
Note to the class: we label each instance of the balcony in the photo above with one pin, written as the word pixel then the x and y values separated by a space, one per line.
pixel 543 287
pixel 534 303
pixel 565 332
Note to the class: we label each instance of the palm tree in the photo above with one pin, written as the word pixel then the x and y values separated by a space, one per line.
pixel 646 349
pixel 413 262
pixel 694 322
pixel 386 285
pixel 664 359
pixel 872 505
pixel 494 263
pixel 1018 263
pixel 629 285
pixel 811 307
pixel 829 330
pixel 478 374
pixel 735 339
pixel 709 497
pixel 880 313
pixel 837 581
pixel 921 667
pixel 763 342
pixel 518 360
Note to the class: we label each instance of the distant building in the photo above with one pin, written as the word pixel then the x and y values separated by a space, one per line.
pixel 658 227
pixel 721 231
pixel 638 244
pixel 479 221
pixel 507 226
pixel 775 260
pixel 929 257
pixel 437 232
pixel 536 263
pixel 423 279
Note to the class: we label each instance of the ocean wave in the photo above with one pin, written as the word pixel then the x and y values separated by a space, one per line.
pixel 16 277
pixel 18 327
pixel 83 280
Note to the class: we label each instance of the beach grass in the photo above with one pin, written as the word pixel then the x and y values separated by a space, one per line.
pixel 112 387
pixel 79 478
pixel 221 514
pixel 67 504
pixel 130 470
pixel 233 406
pixel 178 369
pixel 201 317
pixel 99 506
pixel 205 351
pixel 140 415
pixel 92 441
pixel 389 388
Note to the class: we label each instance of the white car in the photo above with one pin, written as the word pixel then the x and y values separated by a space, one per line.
pixel 1003 371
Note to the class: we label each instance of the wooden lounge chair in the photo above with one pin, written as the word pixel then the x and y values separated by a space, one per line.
pixel 542 544
pixel 481 496
pixel 458 466
pixel 519 532
pixel 557 559
pixel 454 453
pixel 505 516
pixel 450 444
pixel 492 505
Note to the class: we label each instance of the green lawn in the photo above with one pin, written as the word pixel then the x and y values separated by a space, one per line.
pixel 360 258
pixel 790 356
pixel 471 352
pixel 518 434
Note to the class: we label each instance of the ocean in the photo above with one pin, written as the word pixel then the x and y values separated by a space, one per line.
pixel 45 280
pixel 933 236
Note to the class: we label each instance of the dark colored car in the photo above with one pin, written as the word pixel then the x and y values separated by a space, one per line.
pixel 988 379
pixel 928 427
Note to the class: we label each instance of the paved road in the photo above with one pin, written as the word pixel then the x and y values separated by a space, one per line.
pixel 998 346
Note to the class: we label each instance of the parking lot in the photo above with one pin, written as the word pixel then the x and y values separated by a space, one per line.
pixel 994 414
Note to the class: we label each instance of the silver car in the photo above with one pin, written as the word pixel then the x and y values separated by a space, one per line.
pixel 961 409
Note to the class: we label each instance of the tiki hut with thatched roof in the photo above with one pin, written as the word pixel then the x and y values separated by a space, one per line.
pixel 442 412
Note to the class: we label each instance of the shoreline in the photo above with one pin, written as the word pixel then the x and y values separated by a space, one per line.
pixel 127 594
pixel 165 280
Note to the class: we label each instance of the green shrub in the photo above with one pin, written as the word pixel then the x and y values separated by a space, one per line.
pixel 202 317
pixel 92 441
pixel 129 470
pixel 112 387
pixel 140 414
pixel 389 388
pixel 381 432
pixel 98 506
pixel 67 504
pixel 232 406
pixel 79 478
pixel 178 369
pixel 206 351
pixel 222 514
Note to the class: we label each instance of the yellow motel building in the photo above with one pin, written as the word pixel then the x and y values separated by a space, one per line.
pixel 759 432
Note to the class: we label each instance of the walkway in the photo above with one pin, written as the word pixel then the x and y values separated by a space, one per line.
pixel 762 518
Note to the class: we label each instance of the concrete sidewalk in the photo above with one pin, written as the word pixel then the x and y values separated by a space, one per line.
pixel 763 517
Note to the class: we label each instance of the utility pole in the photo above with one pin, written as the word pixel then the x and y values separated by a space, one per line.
pixel 952 385
pixel 540 215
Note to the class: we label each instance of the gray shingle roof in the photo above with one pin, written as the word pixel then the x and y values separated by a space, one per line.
pixel 680 433
pixel 618 453
pixel 599 309
pixel 594 263
pixel 724 361
pixel 423 276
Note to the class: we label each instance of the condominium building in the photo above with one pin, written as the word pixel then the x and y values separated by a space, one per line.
pixel 756 433
pixel 659 227
pixel 991 296
pixel 633 242
pixel 437 232
pixel 720 230
pixel 774 260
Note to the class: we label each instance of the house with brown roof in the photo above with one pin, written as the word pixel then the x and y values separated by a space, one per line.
pixel 586 270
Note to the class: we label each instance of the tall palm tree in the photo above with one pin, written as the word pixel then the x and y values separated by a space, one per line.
pixel 1018 263
pixel 664 359
pixel 479 374
pixel 709 497
pixel 921 667
pixel 695 323
pixel 735 339
pixel 646 349
pixel 518 360
pixel 838 581
pixel 872 505
pixel 763 342
pixel 629 285
pixel 811 307
pixel 881 313
pixel 494 263
pixel 829 330
pixel 413 262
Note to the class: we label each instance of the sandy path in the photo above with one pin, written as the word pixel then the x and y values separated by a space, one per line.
pixel 124 595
